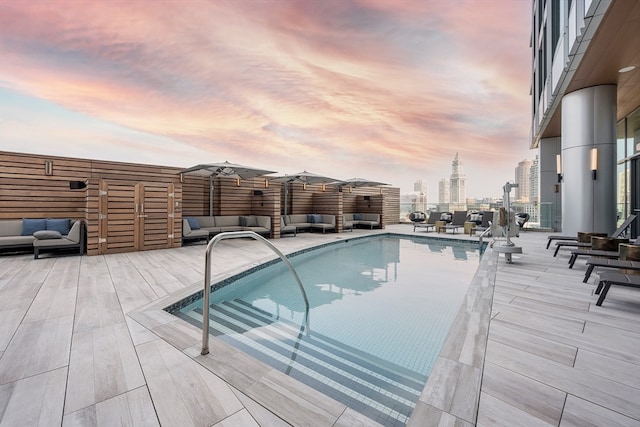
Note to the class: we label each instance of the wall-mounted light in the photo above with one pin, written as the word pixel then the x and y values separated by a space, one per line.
pixel 182 178
pixel 350 189
pixel 559 167
pixel 324 187
pixel 304 186
pixel 48 167
pixel 237 182
pixel 266 183
pixel 594 163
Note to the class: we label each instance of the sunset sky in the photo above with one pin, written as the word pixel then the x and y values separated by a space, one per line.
pixel 387 90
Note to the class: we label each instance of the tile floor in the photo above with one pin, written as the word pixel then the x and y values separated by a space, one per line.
pixel 83 342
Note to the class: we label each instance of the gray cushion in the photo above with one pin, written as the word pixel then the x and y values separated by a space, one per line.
pixel 47 234
pixel 74 233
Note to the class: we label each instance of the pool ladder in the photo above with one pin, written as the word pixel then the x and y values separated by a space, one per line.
pixel 207 279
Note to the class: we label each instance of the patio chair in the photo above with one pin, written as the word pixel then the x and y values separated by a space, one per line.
pixel 573 241
pixel 594 262
pixel 608 278
pixel 458 220
pixel 487 218
pixel 430 223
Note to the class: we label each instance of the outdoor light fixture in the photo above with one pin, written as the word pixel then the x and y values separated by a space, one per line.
pixel 266 183
pixel 594 162
pixel 304 186
pixel 48 167
pixel 559 167
pixel 237 182
pixel 181 177
pixel 324 187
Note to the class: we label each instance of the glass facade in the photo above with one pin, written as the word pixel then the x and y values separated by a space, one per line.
pixel 628 144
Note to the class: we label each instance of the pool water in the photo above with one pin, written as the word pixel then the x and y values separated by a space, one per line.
pixel 380 310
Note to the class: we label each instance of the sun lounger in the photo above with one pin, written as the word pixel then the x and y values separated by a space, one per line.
pixel 592 253
pixel 609 263
pixel 458 220
pixel 608 278
pixel 568 238
pixel 431 222
pixel 574 243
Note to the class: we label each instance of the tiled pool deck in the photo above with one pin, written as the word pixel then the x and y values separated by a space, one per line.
pixel 83 342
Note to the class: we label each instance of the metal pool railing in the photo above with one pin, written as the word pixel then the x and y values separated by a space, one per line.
pixel 207 279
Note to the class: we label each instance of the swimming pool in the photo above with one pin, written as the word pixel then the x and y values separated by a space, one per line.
pixel 381 308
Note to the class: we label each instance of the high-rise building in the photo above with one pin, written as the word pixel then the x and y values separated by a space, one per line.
pixel 534 178
pixel 586 112
pixel 420 186
pixel 523 171
pixel 457 189
pixel 443 191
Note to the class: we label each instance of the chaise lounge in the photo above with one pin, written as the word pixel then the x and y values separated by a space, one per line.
pixel 609 278
pixel 430 223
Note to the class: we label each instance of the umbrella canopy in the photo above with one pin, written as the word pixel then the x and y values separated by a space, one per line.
pixel 303 177
pixel 358 182
pixel 225 169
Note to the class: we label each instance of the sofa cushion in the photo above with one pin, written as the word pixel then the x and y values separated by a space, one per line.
pixel 60 225
pixel 248 221
pixel 11 227
pixel 16 240
pixel 74 233
pixel 193 223
pixel 30 226
pixel 228 221
pixel 314 219
pixel 357 217
pixel 47 234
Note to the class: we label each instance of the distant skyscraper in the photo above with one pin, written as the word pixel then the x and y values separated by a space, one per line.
pixel 523 171
pixel 443 191
pixel 457 189
pixel 534 178
pixel 420 186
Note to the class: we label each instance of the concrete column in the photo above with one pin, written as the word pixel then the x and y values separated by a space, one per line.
pixel 589 121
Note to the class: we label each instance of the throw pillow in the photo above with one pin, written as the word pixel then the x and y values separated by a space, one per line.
pixel 252 221
pixel 60 225
pixel 242 221
pixel 47 234
pixel 316 219
pixel 30 226
pixel 357 217
pixel 446 216
pixel 193 223
pixel 476 217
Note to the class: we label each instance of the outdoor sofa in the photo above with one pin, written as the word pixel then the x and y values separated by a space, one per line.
pixel 369 220
pixel 311 222
pixel 42 235
pixel 203 227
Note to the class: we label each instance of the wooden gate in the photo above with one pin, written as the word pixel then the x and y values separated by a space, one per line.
pixel 135 217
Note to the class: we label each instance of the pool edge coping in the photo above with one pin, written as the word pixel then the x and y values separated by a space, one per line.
pixel 453 387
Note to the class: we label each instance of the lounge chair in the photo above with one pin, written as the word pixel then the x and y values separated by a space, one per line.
pixel 431 221
pixel 591 253
pixel 608 278
pixel 487 219
pixel 573 241
pixel 457 221
pixel 609 263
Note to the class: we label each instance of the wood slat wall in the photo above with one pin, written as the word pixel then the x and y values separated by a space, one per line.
pixel 27 192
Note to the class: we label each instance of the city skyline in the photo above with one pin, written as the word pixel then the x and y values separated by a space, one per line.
pixel 376 89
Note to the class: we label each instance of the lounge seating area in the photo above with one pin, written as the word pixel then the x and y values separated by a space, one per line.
pixel 365 220
pixel 203 227
pixel 304 222
pixel 43 235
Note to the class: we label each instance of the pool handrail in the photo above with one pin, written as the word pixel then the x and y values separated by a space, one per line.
pixel 487 231
pixel 207 278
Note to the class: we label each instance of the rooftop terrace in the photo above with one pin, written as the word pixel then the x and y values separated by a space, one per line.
pixel 82 344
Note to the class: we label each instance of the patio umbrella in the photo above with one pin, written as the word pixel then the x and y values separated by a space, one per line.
pixel 303 177
pixel 225 169
pixel 358 182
